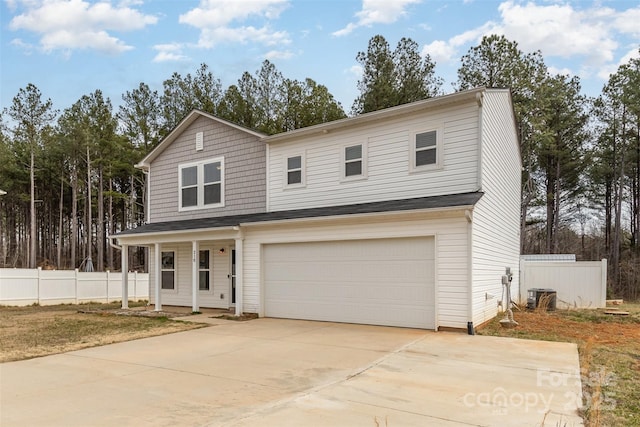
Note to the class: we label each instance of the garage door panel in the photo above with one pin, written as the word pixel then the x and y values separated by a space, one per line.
pixel 380 271
pixel 381 282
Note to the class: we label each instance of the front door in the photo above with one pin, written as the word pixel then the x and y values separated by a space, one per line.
pixel 233 277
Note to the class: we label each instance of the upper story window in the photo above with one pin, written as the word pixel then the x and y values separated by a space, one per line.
pixel 201 184
pixel 426 150
pixel 294 170
pixel 354 161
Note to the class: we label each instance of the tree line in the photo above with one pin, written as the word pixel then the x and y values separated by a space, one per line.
pixel 70 180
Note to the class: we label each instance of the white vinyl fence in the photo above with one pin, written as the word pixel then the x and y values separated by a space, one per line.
pixel 581 284
pixel 47 287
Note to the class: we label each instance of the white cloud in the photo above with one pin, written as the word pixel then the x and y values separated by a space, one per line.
pixel 561 30
pixel 356 71
pixel 560 71
pixel 628 22
pixel 439 51
pixel 26 48
pixel 609 69
pixel 170 52
pixel 557 29
pixel 215 19
pixel 376 12
pixel 209 37
pixel 447 51
pixel 78 24
pixel 278 54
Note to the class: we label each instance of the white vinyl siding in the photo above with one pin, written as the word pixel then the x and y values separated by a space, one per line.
pixel 450 237
pixel 388 161
pixel 216 297
pixel 496 217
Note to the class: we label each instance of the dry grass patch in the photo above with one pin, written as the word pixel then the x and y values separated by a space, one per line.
pixel 609 349
pixel 27 332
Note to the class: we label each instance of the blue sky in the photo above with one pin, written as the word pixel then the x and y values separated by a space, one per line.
pixel 69 48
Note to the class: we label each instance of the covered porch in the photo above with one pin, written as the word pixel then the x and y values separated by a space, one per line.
pixel 197 268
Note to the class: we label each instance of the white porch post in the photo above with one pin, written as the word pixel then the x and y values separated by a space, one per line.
pixel 158 275
pixel 195 276
pixel 239 275
pixel 124 254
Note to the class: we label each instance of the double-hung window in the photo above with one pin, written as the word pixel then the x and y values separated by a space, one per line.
pixel 168 270
pixel 354 161
pixel 426 150
pixel 294 170
pixel 201 184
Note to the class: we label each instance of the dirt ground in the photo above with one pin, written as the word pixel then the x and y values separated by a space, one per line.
pixel 34 331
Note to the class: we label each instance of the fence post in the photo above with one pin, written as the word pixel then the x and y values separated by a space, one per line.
pixel 135 285
pixel 38 296
pixel 76 278
pixel 522 294
pixel 604 282
pixel 107 293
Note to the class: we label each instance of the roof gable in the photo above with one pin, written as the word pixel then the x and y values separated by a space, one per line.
pixel 387 113
pixel 181 127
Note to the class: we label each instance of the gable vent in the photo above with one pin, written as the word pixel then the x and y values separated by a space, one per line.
pixel 199 141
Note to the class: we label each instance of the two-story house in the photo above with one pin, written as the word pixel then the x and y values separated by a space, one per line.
pixel 406 216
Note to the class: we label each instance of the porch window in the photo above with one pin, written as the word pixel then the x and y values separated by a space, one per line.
pixel 168 270
pixel 201 184
pixel 204 270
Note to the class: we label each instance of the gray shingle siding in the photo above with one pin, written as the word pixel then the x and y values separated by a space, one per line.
pixel 244 163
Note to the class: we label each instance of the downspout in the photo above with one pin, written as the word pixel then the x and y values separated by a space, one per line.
pixel 468 214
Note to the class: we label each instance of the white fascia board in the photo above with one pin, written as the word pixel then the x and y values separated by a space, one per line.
pixel 145 239
pixel 448 212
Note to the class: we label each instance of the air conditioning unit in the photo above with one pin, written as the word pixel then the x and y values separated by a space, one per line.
pixel 535 294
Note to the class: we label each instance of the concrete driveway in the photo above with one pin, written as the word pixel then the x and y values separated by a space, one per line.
pixel 276 372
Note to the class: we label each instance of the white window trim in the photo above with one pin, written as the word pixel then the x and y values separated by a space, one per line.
pixel 364 159
pixel 175 270
pixel 210 270
pixel 303 167
pixel 439 150
pixel 200 169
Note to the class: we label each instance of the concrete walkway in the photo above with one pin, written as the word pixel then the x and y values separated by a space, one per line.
pixel 271 372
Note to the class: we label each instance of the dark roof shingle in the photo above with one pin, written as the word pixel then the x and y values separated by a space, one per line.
pixel 433 202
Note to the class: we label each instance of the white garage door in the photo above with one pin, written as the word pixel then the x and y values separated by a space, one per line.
pixel 378 282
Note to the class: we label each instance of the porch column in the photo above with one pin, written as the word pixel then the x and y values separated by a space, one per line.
pixel 158 275
pixel 195 276
pixel 124 254
pixel 239 275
